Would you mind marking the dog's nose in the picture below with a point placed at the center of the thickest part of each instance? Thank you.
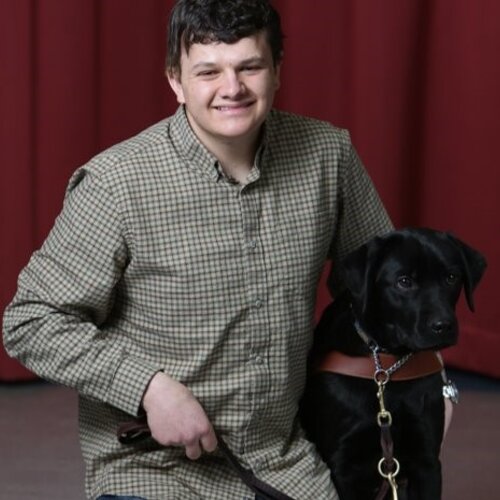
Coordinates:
(440, 326)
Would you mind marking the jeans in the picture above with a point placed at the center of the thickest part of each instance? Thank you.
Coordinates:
(119, 497)
(115, 497)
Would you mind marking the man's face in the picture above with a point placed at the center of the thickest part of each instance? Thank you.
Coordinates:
(227, 89)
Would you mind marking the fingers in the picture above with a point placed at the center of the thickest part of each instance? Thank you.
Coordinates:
(193, 450)
(176, 418)
(209, 441)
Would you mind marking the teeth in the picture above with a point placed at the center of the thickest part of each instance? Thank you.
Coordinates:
(229, 108)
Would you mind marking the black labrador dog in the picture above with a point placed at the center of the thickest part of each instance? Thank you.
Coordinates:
(374, 394)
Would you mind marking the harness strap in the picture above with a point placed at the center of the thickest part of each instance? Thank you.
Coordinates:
(421, 364)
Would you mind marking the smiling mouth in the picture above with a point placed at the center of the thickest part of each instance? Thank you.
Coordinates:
(236, 107)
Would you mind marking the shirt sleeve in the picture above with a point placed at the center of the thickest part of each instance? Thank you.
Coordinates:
(361, 214)
(66, 293)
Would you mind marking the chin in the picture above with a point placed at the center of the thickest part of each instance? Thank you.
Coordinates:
(238, 131)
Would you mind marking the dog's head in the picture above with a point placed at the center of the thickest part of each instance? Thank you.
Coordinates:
(405, 286)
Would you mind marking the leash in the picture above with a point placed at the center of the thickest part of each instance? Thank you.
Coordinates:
(388, 465)
(387, 367)
(137, 430)
(262, 489)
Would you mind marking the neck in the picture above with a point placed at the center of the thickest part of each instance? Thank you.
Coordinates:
(237, 157)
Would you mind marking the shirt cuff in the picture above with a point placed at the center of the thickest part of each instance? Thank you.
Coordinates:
(129, 384)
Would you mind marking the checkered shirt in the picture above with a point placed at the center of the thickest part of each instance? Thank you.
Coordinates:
(159, 262)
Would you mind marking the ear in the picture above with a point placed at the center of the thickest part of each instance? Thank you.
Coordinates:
(473, 266)
(174, 79)
(277, 76)
(358, 272)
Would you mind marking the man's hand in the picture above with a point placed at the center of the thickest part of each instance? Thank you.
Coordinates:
(176, 418)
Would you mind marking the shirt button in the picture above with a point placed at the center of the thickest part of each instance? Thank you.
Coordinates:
(258, 303)
(252, 245)
(256, 358)
(259, 463)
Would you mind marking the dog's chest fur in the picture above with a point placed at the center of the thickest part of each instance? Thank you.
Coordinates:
(352, 445)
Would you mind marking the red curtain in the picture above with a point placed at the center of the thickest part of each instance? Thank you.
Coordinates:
(416, 83)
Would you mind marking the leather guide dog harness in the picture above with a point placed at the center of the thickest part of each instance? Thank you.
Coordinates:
(419, 365)
(382, 367)
(408, 367)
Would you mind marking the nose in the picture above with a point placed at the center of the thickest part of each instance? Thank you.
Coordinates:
(440, 326)
(232, 86)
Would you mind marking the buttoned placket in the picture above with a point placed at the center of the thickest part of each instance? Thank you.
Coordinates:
(257, 298)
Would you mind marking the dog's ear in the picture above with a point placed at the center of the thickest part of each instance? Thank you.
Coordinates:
(357, 271)
(473, 267)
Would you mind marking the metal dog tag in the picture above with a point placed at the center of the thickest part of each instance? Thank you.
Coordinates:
(450, 391)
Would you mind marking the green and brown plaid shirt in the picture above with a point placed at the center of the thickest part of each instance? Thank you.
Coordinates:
(158, 262)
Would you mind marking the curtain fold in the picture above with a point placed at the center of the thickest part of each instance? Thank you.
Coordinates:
(415, 82)
(17, 224)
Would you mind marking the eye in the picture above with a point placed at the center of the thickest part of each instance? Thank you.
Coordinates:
(251, 69)
(207, 73)
(452, 278)
(405, 282)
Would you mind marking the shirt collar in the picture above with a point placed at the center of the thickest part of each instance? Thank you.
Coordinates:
(197, 155)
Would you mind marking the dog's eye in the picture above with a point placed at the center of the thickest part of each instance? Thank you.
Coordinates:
(452, 278)
(405, 282)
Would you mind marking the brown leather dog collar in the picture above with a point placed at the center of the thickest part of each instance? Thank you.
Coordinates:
(419, 365)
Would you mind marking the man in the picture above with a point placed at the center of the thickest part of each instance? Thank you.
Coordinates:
(179, 279)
